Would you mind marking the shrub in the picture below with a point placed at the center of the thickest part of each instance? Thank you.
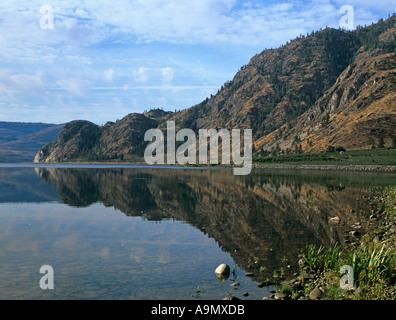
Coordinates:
(330, 149)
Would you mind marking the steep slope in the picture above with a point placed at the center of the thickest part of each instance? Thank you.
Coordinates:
(276, 85)
(279, 85)
(329, 87)
(357, 112)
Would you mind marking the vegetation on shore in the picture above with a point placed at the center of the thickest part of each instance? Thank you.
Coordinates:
(374, 156)
(373, 261)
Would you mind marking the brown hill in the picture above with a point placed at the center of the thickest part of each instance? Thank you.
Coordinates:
(85, 141)
(329, 87)
(357, 112)
(276, 85)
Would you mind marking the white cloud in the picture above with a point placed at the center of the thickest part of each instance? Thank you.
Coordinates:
(14, 84)
(167, 74)
(142, 74)
(76, 86)
(116, 48)
(78, 24)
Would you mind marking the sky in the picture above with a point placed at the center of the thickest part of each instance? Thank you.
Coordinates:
(64, 60)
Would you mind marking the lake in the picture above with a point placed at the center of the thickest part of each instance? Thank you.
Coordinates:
(149, 233)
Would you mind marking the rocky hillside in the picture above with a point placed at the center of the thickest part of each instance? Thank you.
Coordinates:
(330, 87)
(358, 111)
(86, 141)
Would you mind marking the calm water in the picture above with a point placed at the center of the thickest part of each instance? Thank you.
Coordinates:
(159, 233)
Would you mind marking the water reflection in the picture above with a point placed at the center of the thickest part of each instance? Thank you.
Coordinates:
(260, 219)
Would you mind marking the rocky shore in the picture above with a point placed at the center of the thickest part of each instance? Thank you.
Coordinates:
(323, 283)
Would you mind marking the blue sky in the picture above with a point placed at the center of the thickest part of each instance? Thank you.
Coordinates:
(105, 59)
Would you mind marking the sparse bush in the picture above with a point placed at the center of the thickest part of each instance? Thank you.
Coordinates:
(331, 149)
(325, 120)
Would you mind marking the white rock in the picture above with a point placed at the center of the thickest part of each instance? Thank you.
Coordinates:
(335, 219)
(223, 271)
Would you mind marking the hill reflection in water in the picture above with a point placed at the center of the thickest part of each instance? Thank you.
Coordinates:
(263, 218)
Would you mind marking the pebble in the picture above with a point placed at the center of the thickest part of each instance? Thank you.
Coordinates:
(315, 294)
(280, 296)
(302, 262)
(335, 219)
(373, 218)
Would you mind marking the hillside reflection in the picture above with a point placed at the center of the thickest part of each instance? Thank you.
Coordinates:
(263, 217)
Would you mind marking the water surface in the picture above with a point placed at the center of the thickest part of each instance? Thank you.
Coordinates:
(159, 233)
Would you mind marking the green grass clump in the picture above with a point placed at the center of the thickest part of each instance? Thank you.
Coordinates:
(319, 258)
(373, 264)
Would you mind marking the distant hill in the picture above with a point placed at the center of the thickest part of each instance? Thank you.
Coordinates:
(20, 141)
(330, 87)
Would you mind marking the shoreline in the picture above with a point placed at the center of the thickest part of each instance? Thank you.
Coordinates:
(329, 167)
(323, 283)
(317, 167)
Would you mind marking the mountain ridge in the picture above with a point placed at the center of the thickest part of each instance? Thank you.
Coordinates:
(296, 98)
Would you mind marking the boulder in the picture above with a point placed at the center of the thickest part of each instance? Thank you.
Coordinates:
(223, 271)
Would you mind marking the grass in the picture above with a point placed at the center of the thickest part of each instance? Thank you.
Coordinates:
(319, 258)
(377, 156)
(373, 263)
